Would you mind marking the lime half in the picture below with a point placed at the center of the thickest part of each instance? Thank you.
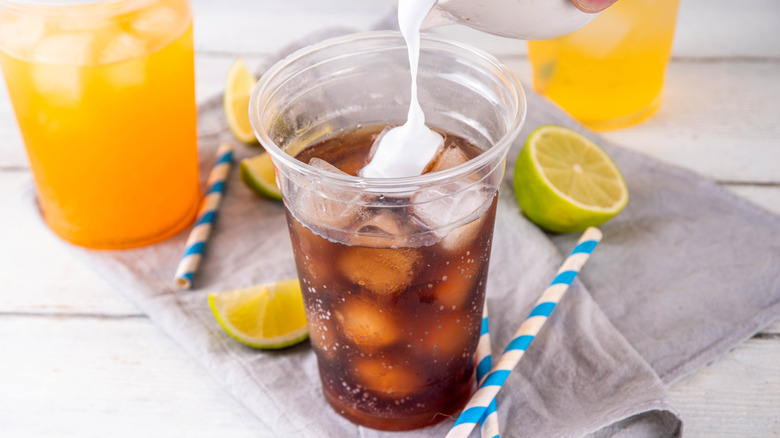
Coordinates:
(235, 101)
(565, 182)
(258, 174)
(269, 316)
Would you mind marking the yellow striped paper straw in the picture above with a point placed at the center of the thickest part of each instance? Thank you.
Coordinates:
(489, 387)
(199, 235)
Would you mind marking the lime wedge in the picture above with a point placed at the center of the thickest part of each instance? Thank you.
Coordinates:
(258, 174)
(269, 316)
(235, 101)
(565, 182)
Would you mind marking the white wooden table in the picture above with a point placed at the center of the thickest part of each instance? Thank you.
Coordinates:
(78, 359)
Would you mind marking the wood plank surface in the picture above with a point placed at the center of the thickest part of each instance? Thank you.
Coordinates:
(737, 396)
(108, 377)
(38, 276)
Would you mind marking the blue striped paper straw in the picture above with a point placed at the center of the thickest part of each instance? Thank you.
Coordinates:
(199, 235)
(478, 405)
(484, 363)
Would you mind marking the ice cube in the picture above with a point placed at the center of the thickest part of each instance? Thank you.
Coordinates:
(65, 49)
(383, 271)
(383, 229)
(441, 208)
(457, 283)
(122, 46)
(328, 207)
(391, 378)
(449, 157)
(365, 323)
(57, 63)
(156, 22)
(319, 163)
(126, 54)
(463, 236)
(19, 34)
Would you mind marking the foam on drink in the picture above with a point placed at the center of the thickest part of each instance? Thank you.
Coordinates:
(407, 149)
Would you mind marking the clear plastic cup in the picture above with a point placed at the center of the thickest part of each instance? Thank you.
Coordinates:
(393, 270)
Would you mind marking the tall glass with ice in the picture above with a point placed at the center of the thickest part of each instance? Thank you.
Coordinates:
(393, 270)
(104, 94)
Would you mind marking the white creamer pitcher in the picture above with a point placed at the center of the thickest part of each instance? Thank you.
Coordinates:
(523, 19)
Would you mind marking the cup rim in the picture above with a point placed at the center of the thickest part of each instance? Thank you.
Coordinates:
(501, 147)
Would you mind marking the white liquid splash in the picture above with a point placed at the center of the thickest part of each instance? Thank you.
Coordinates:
(407, 149)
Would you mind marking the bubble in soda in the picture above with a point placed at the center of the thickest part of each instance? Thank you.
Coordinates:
(454, 287)
(323, 338)
(447, 337)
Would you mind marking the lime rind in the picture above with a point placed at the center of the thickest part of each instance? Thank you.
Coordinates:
(238, 88)
(553, 207)
(258, 174)
(257, 303)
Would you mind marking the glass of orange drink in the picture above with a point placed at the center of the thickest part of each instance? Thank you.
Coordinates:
(104, 96)
(610, 73)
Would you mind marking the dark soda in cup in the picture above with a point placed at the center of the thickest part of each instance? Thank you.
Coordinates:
(394, 308)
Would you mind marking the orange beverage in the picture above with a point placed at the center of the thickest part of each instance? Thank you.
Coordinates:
(610, 73)
(104, 95)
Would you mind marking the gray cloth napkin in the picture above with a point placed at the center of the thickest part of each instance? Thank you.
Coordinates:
(667, 275)
(579, 377)
(699, 268)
